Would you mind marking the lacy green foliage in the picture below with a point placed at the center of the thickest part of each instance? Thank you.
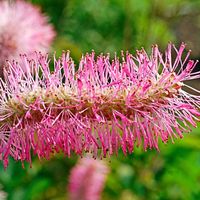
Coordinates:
(110, 26)
(106, 26)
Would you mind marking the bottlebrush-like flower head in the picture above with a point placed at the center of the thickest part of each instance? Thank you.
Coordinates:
(23, 29)
(102, 107)
(87, 179)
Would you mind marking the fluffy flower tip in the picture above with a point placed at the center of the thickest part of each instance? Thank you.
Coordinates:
(101, 108)
(87, 179)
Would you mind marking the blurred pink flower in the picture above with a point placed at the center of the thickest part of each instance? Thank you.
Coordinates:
(103, 107)
(87, 179)
(3, 194)
(23, 29)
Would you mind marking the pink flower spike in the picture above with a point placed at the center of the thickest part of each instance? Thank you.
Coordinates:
(103, 107)
(87, 179)
(23, 29)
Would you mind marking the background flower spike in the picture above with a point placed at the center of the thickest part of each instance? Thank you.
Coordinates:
(23, 29)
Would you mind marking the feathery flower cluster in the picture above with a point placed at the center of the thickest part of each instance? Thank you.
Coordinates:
(102, 107)
(87, 179)
(23, 29)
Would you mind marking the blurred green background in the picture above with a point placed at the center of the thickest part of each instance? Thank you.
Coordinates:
(110, 26)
